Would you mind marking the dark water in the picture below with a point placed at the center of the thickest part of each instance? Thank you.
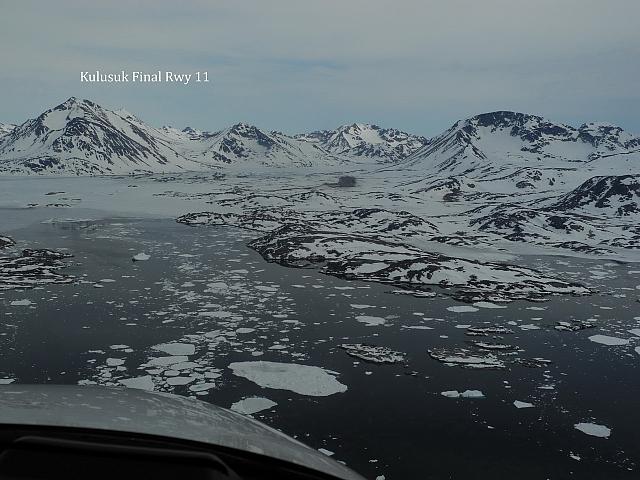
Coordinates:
(392, 420)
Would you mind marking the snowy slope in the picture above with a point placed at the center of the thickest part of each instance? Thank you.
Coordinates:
(244, 143)
(365, 141)
(79, 137)
(516, 151)
(613, 196)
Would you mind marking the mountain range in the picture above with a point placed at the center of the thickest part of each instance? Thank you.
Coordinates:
(79, 137)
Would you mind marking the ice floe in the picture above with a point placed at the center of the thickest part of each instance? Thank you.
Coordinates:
(176, 348)
(607, 340)
(465, 394)
(303, 379)
(371, 321)
(144, 382)
(251, 405)
(462, 309)
(593, 429)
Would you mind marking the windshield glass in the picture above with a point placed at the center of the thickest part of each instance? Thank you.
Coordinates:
(402, 233)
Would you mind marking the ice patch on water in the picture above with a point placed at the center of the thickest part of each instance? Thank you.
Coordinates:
(302, 379)
(176, 348)
(607, 340)
(251, 405)
(370, 321)
(462, 309)
(141, 257)
(142, 383)
(21, 303)
(465, 394)
(487, 305)
(593, 429)
(519, 404)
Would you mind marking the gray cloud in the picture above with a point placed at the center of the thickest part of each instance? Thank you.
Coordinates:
(296, 65)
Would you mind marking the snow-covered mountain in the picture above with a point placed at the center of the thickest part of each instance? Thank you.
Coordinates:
(247, 144)
(79, 137)
(365, 141)
(500, 152)
(506, 152)
(487, 143)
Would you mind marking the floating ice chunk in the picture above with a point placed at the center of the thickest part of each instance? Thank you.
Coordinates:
(107, 280)
(465, 394)
(114, 362)
(164, 361)
(118, 347)
(487, 305)
(302, 379)
(593, 429)
(519, 404)
(370, 321)
(607, 340)
(142, 383)
(6, 381)
(21, 303)
(176, 348)
(635, 331)
(245, 330)
(472, 394)
(450, 394)
(328, 453)
(637, 350)
(251, 405)
(202, 387)
(179, 380)
(185, 365)
(360, 307)
(141, 257)
(462, 309)
(529, 326)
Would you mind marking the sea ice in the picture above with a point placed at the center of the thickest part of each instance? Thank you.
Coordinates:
(371, 321)
(593, 429)
(607, 340)
(176, 348)
(251, 405)
(462, 309)
(143, 383)
(302, 379)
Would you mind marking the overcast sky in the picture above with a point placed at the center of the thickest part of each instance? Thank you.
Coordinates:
(296, 65)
